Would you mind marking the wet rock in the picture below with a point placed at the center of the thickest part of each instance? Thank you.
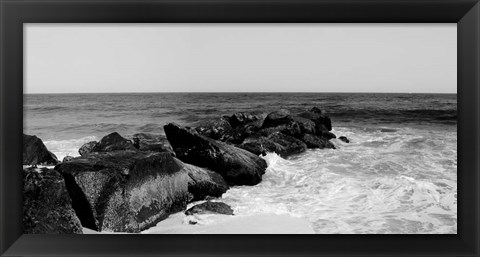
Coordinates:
(113, 142)
(275, 142)
(210, 208)
(323, 132)
(67, 158)
(316, 110)
(239, 133)
(87, 147)
(47, 208)
(313, 141)
(242, 119)
(215, 129)
(276, 118)
(233, 129)
(36, 153)
(203, 183)
(125, 191)
(237, 166)
(318, 118)
(152, 142)
(344, 139)
(282, 121)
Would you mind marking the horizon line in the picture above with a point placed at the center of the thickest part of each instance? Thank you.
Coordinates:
(229, 92)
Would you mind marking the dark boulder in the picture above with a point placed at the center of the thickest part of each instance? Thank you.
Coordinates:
(316, 110)
(210, 208)
(323, 132)
(68, 158)
(306, 125)
(36, 153)
(239, 133)
(47, 208)
(237, 166)
(233, 129)
(313, 141)
(215, 129)
(113, 142)
(344, 139)
(276, 118)
(151, 142)
(204, 183)
(125, 191)
(242, 119)
(285, 123)
(316, 116)
(275, 142)
(87, 147)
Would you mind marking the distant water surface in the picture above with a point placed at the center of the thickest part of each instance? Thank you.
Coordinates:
(398, 174)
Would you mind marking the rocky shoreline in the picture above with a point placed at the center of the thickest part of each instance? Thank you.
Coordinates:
(129, 184)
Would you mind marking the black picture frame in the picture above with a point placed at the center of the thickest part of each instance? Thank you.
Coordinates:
(14, 13)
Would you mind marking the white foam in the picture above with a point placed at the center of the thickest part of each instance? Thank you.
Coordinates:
(62, 148)
(378, 183)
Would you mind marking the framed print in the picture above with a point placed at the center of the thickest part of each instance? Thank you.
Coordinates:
(319, 128)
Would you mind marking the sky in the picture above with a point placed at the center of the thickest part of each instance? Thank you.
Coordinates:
(111, 58)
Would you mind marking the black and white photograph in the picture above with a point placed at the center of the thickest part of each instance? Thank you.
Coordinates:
(163, 128)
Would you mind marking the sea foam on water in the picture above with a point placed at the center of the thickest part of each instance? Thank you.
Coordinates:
(400, 182)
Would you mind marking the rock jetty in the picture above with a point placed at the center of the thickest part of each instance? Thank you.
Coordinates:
(129, 184)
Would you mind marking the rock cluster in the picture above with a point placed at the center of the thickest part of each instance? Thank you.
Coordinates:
(128, 184)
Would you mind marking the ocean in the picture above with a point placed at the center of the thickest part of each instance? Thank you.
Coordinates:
(398, 174)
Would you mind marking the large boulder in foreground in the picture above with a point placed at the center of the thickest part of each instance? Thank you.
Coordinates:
(113, 142)
(125, 191)
(275, 142)
(36, 153)
(210, 208)
(237, 166)
(203, 183)
(47, 208)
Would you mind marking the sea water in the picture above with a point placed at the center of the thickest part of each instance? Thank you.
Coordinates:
(398, 174)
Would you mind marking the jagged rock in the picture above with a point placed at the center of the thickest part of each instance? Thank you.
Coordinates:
(210, 208)
(36, 153)
(204, 183)
(87, 147)
(242, 119)
(47, 207)
(316, 116)
(67, 158)
(344, 139)
(276, 142)
(113, 142)
(151, 142)
(285, 123)
(237, 166)
(276, 118)
(215, 129)
(313, 141)
(316, 110)
(125, 191)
